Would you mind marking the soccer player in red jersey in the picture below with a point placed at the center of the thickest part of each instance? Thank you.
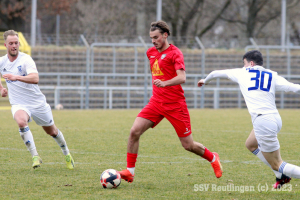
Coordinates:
(167, 101)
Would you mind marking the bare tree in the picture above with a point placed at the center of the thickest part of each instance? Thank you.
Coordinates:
(182, 14)
(215, 18)
(12, 14)
(253, 16)
(104, 17)
(47, 11)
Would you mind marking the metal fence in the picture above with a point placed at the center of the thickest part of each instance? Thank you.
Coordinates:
(109, 91)
(106, 85)
(209, 41)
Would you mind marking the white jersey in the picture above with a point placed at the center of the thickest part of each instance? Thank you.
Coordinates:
(258, 86)
(21, 93)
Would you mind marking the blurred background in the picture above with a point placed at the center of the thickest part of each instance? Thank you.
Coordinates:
(91, 53)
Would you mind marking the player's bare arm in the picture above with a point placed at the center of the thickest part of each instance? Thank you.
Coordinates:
(32, 78)
(177, 80)
(2, 89)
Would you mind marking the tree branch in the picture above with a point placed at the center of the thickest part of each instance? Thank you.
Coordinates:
(213, 21)
(186, 21)
(266, 22)
(232, 21)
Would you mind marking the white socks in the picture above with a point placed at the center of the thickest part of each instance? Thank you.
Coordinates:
(289, 170)
(61, 142)
(258, 153)
(28, 140)
(131, 170)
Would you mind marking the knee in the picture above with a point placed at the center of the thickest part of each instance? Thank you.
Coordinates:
(188, 146)
(250, 146)
(21, 123)
(135, 133)
(53, 132)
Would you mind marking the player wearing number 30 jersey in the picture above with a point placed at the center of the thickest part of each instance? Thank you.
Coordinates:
(258, 86)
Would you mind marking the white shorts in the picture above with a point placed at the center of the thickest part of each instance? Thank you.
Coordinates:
(41, 115)
(266, 128)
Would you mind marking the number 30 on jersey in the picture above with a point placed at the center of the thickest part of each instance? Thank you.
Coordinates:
(259, 80)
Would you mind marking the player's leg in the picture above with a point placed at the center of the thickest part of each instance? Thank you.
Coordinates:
(58, 136)
(22, 116)
(43, 117)
(148, 117)
(287, 170)
(178, 115)
(252, 145)
(199, 149)
(139, 126)
(277, 163)
(266, 127)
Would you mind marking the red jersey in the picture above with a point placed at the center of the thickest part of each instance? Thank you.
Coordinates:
(163, 66)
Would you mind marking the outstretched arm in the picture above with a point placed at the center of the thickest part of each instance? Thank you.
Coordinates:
(213, 75)
(283, 85)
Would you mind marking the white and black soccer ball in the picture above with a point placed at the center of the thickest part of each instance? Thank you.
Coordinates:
(110, 178)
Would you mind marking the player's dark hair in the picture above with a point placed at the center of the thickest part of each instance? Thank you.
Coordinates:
(160, 25)
(254, 56)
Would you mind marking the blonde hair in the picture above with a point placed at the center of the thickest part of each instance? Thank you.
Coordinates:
(9, 32)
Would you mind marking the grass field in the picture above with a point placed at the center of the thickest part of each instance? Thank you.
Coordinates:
(164, 170)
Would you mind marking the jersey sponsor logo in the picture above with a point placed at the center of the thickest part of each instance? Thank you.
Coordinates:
(20, 68)
(152, 56)
(163, 56)
(187, 131)
(156, 70)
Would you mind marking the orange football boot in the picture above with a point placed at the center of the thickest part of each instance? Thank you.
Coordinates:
(126, 175)
(216, 165)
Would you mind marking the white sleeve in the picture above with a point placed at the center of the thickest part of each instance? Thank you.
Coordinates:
(215, 74)
(227, 73)
(1, 63)
(30, 65)
(283, 85)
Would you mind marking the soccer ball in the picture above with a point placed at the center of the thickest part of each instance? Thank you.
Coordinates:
(110, 178)
(59, 107)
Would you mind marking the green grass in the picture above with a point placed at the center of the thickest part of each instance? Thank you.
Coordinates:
(164, 170)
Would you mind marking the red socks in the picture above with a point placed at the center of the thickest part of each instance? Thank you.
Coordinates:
(131, 160)
(131, 157)
(208, 155)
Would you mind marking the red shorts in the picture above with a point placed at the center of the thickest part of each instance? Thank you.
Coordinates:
(176, 113)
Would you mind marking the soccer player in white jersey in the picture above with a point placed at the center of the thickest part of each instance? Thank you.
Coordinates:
(27, 101)
(258, 86)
